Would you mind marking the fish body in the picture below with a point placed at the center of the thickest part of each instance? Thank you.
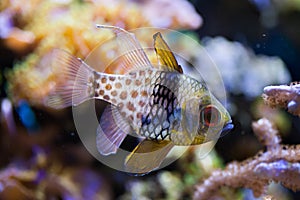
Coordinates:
(151, 100)
(160, 104)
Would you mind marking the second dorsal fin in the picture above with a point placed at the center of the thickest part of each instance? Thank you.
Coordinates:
(165, 55)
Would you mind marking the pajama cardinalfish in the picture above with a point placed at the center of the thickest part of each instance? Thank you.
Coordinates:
(157, 103)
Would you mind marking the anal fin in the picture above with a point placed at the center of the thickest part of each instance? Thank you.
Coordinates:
(147, 156)
(112, 130)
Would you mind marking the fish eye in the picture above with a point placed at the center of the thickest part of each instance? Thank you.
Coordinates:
(210, 116)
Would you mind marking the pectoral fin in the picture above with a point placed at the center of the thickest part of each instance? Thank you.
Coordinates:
(112, 130)
(164, 54)
(147, 156)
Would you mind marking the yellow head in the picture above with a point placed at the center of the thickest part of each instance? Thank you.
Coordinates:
(203, 118)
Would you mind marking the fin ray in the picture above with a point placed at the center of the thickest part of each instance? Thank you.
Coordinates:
(147, 156)
(164, 54)
(112, 130)
(72, 76)
(131, 51)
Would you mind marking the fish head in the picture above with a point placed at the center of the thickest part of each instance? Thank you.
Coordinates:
(204, 119)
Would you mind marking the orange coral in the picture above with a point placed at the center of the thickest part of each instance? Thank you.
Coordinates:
(52, 24)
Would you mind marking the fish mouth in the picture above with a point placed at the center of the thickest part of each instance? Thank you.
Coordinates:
(227, 128)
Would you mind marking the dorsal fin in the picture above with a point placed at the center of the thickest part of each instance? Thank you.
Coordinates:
(130, 50)
(164, 54)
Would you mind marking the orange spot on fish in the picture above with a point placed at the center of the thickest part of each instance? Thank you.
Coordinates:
(118, 85)
(130, 106)
(147, 80)
(144, 93)
(123, 95)
(103, 80)
(134, 94)
(108, 87)
(101, 92)
(142, 73)
(114, 93)
(142, 103)
(128, 81)
(138, 82)
(106, 97)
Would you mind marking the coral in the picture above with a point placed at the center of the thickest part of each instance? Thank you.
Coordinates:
(172, 184)
(280, 171)
(44, 25)
(138, 189)
(266, 133)
(175, 12)
(42, 181)
(284, 96)
(32, 166)
(278, 163)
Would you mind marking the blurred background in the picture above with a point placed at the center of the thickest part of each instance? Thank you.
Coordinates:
(254, 43)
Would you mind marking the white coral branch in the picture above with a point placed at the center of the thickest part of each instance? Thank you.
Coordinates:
(256, 173)
(267, 134)
(280, 171)
(284, 96)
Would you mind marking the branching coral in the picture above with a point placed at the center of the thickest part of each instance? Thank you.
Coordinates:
(284, 96)
(278, 163)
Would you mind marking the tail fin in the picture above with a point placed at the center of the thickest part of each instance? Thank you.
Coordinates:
(73, 81)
